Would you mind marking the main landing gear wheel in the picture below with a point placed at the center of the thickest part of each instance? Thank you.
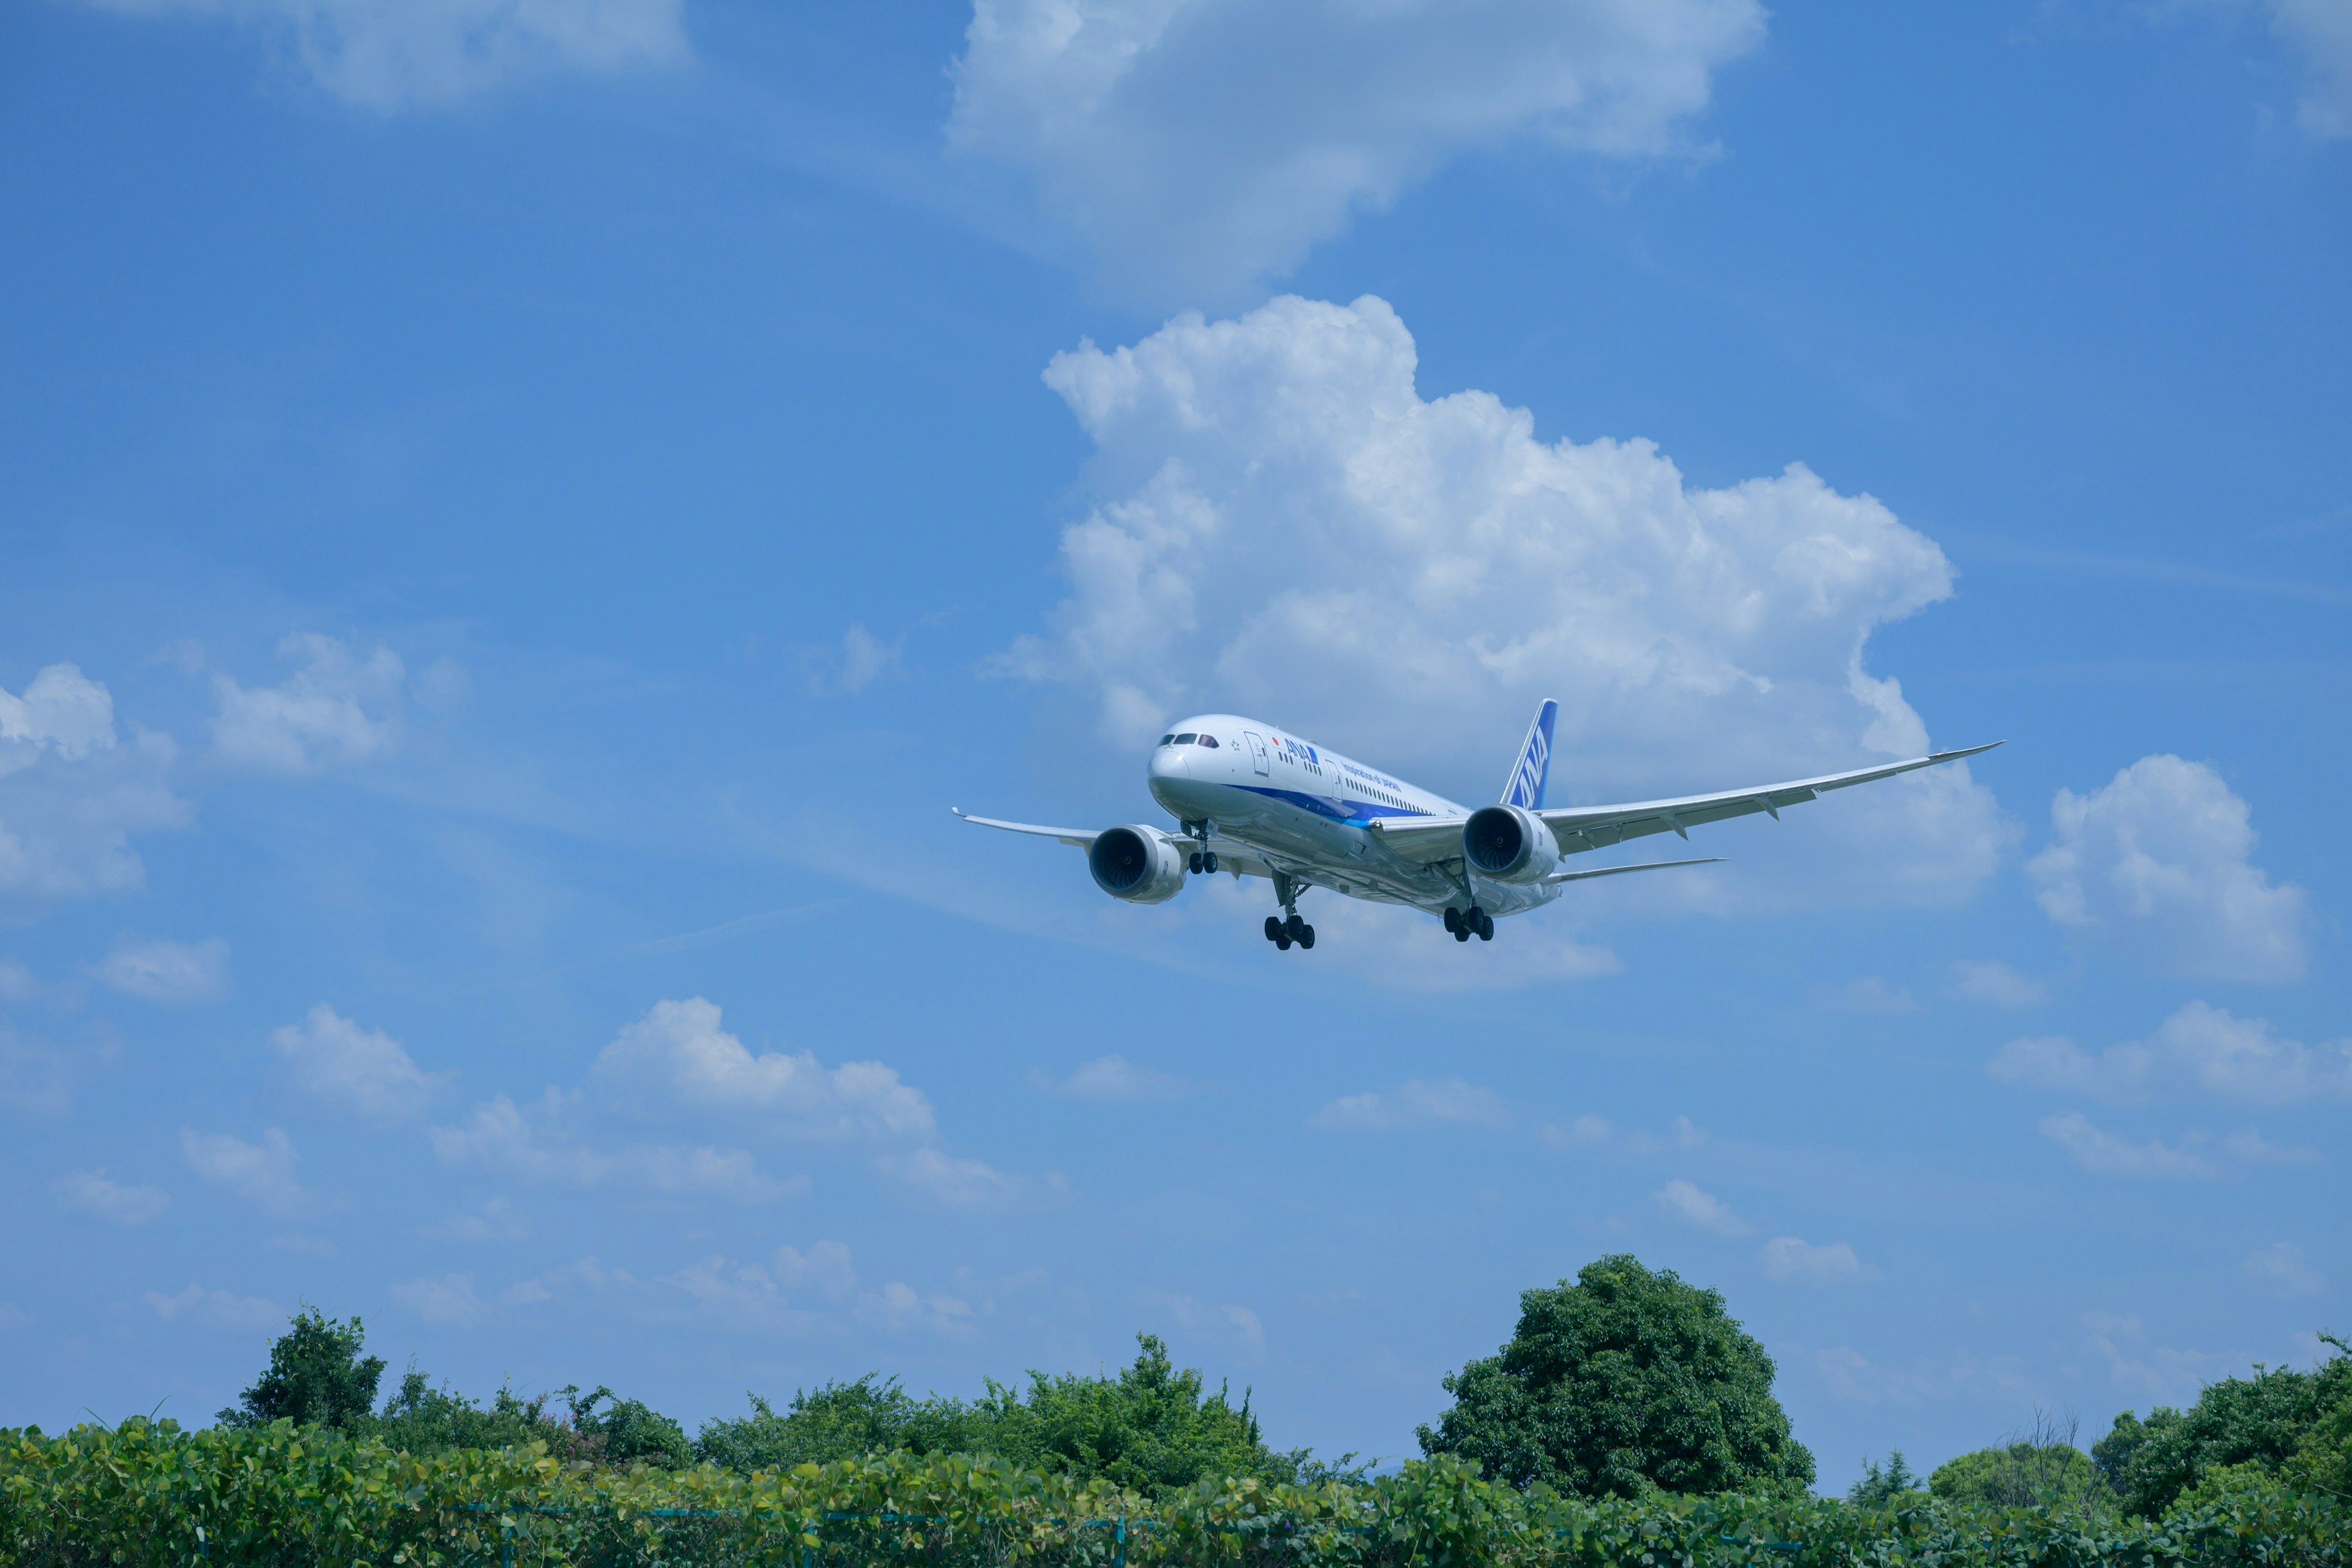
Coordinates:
(1209, 862)
(1467, 923)
(1284, 933)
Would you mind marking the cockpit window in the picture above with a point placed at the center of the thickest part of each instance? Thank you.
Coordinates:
(1208, 740)
(1186, 739)
(1167, 739)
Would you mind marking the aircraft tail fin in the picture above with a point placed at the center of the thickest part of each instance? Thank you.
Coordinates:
(1533, 770)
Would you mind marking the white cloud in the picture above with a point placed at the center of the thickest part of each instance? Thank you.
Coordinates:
(1114, 1078)
(1233, 1328)
(351, 1068)
(543, 1144)
(1286, 511)
(1685, 1202)
(714, 1292)
(62, 712)
(178, 973)
(2108, 1154)
(1199, 146)
(2157, 860)
(1991, 982)
(96, 1193)
(2200, 1053)
(1416, 1104)
(2322, 30)
(1595, 1132)
(70, 795)
(336, 710)
(864, 659)
(953, 1183)
(1792, 1260)
(449, 1299)
(1854, 1378)
(497, 1220)
(388, 55)
(899, 1306)
(677, 1054)
(2283, 1269)
(825, 1268)
(17, 982)
(2160, 1373)
(261, 1173)
(217, 1309)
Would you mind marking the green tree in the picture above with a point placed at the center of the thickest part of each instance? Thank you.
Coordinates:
(2261, 1420)
(316, 1377)
(1622, 1382)
(839, 1421)
(419, 1418)
(1880, 1487)
(629, 1431)
(2039, 1467)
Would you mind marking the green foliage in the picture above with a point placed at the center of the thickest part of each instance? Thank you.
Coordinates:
(421, 1419)
(139, 1495)
(2041, 1469)
(629, 1431)
(1152, 1430)
(2263, 1420)
(1625, 1380)
(317, 1377)
(1879, 1487)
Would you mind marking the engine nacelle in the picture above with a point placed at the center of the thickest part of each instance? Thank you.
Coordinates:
(1138, 864)
(1509, 844)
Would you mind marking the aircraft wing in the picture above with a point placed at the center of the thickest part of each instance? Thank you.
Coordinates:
(1581, 828)
(1239, 862)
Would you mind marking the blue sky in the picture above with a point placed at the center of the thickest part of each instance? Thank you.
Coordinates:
(517, 521)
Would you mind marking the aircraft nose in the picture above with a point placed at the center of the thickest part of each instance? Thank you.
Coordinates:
(1171, 762)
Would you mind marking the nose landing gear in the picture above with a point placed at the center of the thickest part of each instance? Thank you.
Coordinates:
(1467, 923)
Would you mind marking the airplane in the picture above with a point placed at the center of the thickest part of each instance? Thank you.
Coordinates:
(1256, 800)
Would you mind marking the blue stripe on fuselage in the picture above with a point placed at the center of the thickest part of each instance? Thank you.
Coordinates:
(1351, 814)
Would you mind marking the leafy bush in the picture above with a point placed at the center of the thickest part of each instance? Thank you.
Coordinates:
(1624, 1381)
(316, 1377)
(2038, 1469)
(1152, 1430)
(147, 1494)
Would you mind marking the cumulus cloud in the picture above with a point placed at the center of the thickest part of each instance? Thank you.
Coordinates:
(2110, 1154)
(825, 1268)
(337, 710)
(360, 1070)
(1792, 1260)
(1591, 1132)
(178, 973)
(96, 1193)
(2200, 1053)
(1116, 1080)
(2158, 860)
(217, 1309)
(1685, 1202)
(261, 1173)
(1416, 1104)
(1991, 982)
(1285, 511)
(388, 55)
(544, 1143)
(720, 1292)
(1199, 146)
(71, 794)
(679, 1054)
(2164, 1373)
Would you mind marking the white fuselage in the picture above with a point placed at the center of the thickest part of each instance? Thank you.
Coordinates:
(1307, 810)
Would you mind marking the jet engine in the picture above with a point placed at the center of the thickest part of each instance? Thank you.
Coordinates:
(1138, 864)
(1509, 844)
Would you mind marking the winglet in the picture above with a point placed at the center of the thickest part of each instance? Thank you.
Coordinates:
(1525, 787)
(1963, 751)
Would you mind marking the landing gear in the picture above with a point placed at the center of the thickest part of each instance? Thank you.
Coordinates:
(1284, 932)
(1209, 862)
(1467, 923)
(1287, 928)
